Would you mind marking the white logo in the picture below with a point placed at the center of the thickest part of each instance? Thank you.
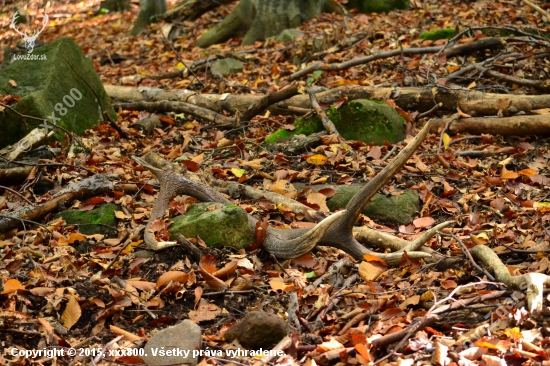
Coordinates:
(29, 40)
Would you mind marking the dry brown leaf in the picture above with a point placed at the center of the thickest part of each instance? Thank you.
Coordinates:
(72, 313)
(127, 335)
(172, 276)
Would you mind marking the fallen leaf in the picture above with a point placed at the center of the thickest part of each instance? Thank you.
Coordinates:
(72, 313)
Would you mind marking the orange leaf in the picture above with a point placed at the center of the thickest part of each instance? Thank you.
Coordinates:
(172, 276)
(12, 285)
(227, 270)
(317, 159)
(127, 335)
(528, 172)
(373, 258)
(72, 313)
(214, 282)
(423, 222)
(363, 351)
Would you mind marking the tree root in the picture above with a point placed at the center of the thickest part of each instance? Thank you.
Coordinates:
(532, 282)
(335, 231)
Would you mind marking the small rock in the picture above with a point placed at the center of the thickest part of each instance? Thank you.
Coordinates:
(289, 35)
(258, 329)
(100, 220)
(226, 66)
(186, 336)
(216, 224)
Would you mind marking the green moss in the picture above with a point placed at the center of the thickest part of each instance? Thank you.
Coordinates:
(363, 120)
(216, 224)
(446, 33)
(100, 220)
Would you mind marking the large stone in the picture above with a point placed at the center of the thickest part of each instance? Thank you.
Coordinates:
(100, 220)
(400, 209)
(179, 340)
(216, 224)
(226, 66)
(363, 120)
(51, 84)
(258, 329)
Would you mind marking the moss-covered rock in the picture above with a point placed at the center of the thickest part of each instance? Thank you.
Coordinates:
(400, 209)
(226, 66)
(363, 120)
(51, 84)
(377, 6)
(100, 220)
(446, 33)
(216, 224)
(289, 35)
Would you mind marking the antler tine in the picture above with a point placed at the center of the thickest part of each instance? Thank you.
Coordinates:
(15, 16)
(45, 23)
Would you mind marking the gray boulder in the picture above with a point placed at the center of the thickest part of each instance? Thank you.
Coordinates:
(226, 66)
(50, 85)
(176, 343)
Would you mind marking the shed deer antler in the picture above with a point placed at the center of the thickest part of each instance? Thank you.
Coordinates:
(29, 40)
(334, 231)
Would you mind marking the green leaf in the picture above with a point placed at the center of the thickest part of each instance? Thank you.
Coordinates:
(310, 275)
(317, 74)
(310, 80)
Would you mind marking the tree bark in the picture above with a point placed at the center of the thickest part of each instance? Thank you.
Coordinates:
(259, 19)
(189, 10)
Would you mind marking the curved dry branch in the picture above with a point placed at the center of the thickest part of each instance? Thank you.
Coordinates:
(531, 283)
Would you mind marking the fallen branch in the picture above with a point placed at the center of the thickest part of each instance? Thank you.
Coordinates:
(471, 102)
(98, 184)
(509, 126)
(179, 107)
(480, 44)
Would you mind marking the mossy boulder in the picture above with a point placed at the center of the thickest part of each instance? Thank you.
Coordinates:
(100, 220)
(377, 6)
(226, 66)
(446, 33)
(51, 83)
(399, 210)
(363, 120)
(216, 224)
(289, 35)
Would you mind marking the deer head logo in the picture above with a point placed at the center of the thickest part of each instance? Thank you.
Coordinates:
(29, 40)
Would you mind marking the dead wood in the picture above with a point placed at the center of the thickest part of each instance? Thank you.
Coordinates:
(335, 231)
(97, 184)
(269, 99)
(14, 175)
(508, 126)
(37, 137)
(471, 102)
(179, 107)
(458, 50)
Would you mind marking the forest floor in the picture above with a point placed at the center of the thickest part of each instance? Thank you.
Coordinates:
(48, 294)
